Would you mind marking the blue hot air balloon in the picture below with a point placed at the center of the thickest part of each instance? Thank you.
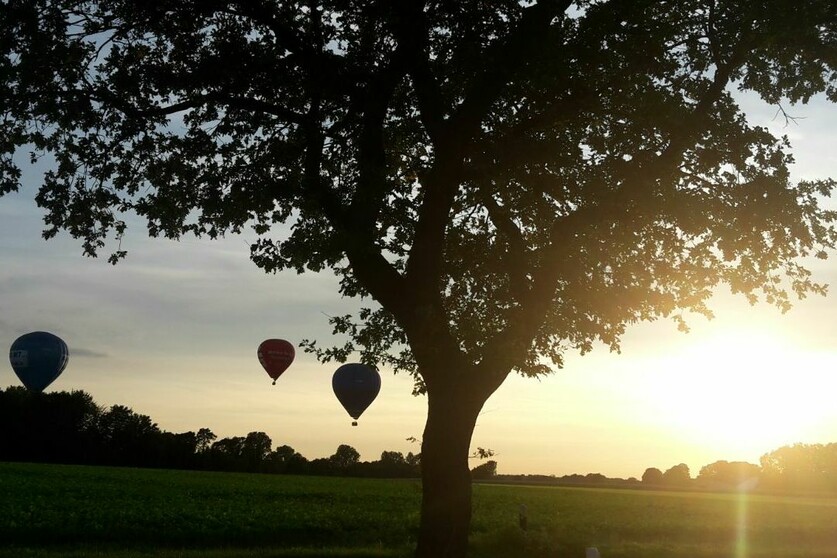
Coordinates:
(356, 387)
(38, 358)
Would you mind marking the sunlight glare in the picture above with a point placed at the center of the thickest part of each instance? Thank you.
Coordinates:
(749, 391)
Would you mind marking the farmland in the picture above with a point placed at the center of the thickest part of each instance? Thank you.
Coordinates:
(56, 510)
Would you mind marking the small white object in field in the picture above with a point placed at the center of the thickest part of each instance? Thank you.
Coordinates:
(591, 552)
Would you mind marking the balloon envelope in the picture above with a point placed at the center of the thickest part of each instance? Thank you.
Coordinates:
(38, 358)
(356, 387)
(275, 355)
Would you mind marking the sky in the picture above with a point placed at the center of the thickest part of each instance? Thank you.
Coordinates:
(172, 332)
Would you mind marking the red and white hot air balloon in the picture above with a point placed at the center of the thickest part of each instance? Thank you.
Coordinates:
(275, 355)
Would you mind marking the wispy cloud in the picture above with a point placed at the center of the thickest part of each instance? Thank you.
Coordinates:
(86, 353)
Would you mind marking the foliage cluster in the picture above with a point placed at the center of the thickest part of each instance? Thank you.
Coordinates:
(508, 180)
(69, 427)
(797, 468)
(792, 468)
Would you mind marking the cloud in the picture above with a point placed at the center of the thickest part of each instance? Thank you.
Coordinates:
(86, 353)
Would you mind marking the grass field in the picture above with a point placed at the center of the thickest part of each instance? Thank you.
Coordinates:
(49, 510)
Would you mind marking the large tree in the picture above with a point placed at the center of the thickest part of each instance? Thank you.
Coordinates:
(501, 181)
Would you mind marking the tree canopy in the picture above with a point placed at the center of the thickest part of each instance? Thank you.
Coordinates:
(532, 177)
(503, 182)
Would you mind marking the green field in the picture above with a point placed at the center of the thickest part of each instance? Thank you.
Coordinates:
(50, 510)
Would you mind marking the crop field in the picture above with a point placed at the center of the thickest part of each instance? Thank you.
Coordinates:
(56, 510)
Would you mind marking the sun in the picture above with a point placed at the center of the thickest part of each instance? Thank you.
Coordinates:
(745, 390)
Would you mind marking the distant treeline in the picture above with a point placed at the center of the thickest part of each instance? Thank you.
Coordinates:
(798, 468)
(69, 427)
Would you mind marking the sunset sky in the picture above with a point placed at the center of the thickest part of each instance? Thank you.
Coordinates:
(172, 332)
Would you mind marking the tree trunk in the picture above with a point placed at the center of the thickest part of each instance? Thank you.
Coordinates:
(446, 478)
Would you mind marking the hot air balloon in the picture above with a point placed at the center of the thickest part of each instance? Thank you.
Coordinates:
(275, 355)
(38, 358)
(356, 387)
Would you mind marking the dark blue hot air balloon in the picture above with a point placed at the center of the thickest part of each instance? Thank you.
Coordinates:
(356, 387)
(38, 358)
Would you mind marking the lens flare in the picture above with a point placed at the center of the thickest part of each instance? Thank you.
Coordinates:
(744, 489)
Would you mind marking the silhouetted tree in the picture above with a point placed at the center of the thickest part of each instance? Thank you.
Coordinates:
(52, 427)
(393, 464)
(127, 438)
(573, 478)
(652, 476)
(484, 471)
(677, 476)
(204, 439)
(729, 475)
(15, 411)
(255, 450)
(226, 454)
(801, 467)
(392, 458)
(322, 466)
(70, 427)
(176, 451)
(413, 460)
(505, 181)
(67, 421)
(344, 458)
(285, 459)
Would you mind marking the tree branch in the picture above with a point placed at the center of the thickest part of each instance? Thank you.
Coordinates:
(424, 266)
(411, 30)
(515, 258)
(245, 103)
(518, 144)
(639, 186)
(259, 13)
(502, 62)
(371, 187)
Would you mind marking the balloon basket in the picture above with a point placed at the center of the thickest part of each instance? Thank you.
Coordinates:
(354, 423)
